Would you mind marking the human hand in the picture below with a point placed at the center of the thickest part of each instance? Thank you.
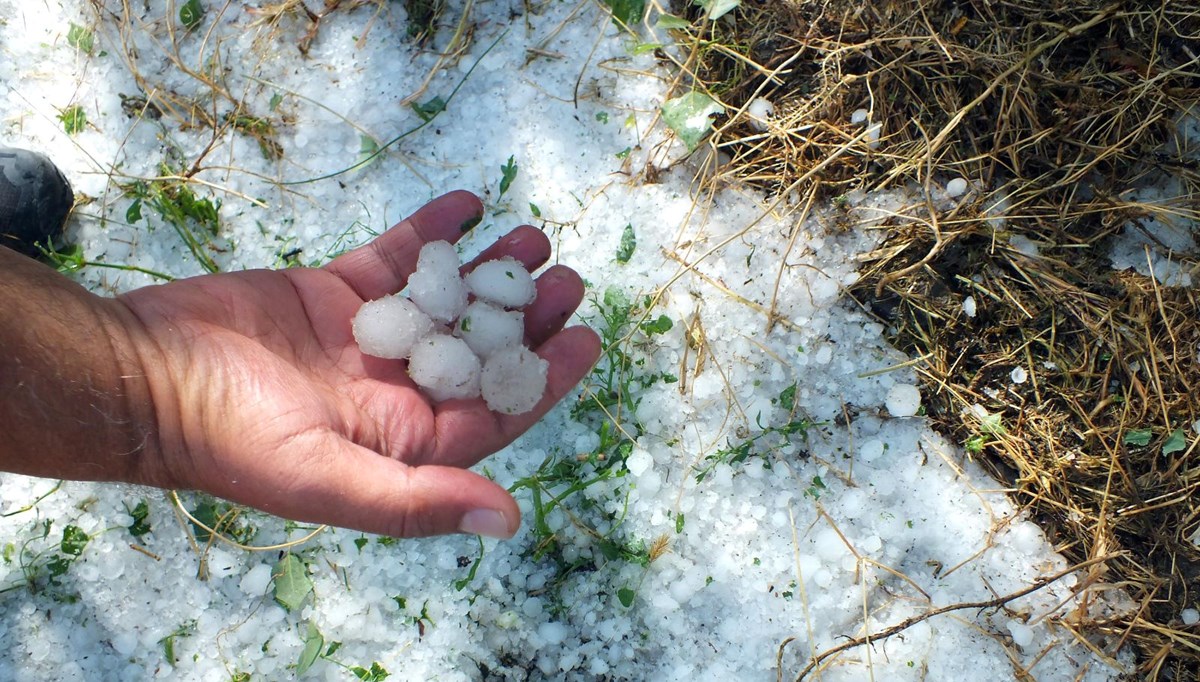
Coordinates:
(262, 397)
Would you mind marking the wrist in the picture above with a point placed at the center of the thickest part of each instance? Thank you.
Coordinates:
(74, 398)
(138, 362)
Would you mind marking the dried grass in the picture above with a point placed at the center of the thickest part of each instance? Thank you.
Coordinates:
(1052, 111)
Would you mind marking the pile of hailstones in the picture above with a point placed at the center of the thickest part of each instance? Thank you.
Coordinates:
(456, 349)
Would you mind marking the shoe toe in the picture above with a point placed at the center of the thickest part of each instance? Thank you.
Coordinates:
(35, 199)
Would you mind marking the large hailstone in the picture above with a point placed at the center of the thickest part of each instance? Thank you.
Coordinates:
(389, 327)
(504, 282)
(438, 256)
(487, 328)
(441, 295)
(445, 368)
(514, 380)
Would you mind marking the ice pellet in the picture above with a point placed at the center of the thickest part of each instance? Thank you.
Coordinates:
(903, 400)
(438, 256)
(514, 380)
(445, 368)
(388, 327)
(487, 328)
(504, 282)
(441, 295)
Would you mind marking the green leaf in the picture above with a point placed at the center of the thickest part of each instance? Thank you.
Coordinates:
(643, 48)
(80, 38)
(168, 647)
(139, 527)
(679, 523)
(1175, 442)
(313, 643)
(333, 647)
(276, 100)
(360, 543)
(74, 119)
(616, 301)
(427, 110)
(787, 398)
(508, 173)
(992, 424)
(715, 9)
(377, 673)
(134, 212)
(368, 148)
(74, 539)
(58, 565)
(661, 325)
(533, 208)
(207, 513)
(689, 117)
(602, 116)
(628, 244)
(191, 13)
(627, 13)
(626, 596)
(292, 584)
(672, 22)
(610, 550)
(460, 585)
(1138, 437)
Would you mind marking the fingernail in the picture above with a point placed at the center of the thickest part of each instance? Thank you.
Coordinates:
(487, 522)
(470, 223)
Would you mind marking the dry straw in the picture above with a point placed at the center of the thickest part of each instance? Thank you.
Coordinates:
(1052, 111)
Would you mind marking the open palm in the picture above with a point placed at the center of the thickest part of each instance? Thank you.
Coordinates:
(262, 396)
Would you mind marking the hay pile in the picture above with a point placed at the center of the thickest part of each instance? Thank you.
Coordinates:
(1052, 112)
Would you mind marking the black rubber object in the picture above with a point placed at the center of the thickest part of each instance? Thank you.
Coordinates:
(35, 199)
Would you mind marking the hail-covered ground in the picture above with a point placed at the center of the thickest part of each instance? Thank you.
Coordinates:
(769, 492)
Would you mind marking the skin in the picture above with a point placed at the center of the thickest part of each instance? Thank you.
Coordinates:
(249, 386)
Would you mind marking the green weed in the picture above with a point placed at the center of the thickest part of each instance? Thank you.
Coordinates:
(561, 483)
(81, 38)
(44, 559)
(185, 629)
(613, 389)
(74, 119)
(766, 441)
(70, 259)
(222, 517)
(508, 173)
(261, 129)
(316, 648)
(195, 219)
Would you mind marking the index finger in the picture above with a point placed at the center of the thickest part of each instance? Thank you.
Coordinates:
(382, 267)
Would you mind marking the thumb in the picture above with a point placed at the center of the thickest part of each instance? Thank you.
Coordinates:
(346, 485)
